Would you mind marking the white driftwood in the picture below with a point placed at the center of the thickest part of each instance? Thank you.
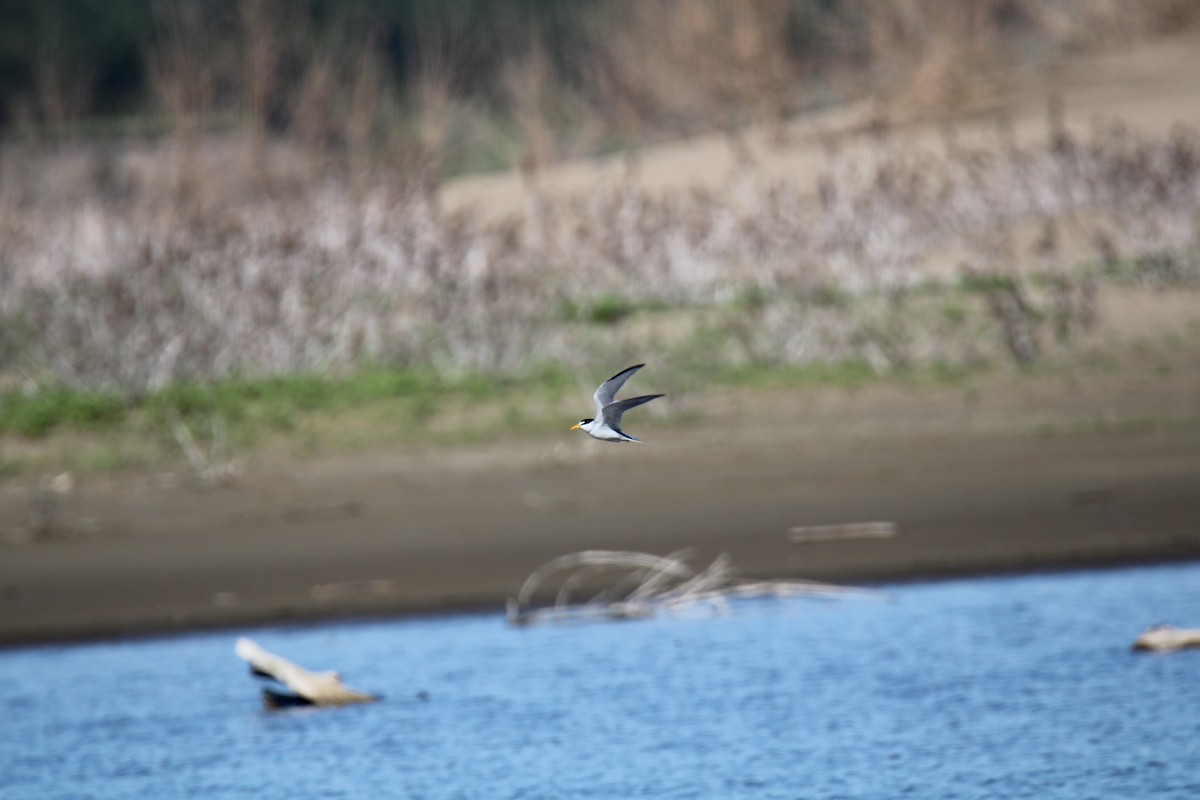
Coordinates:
(810, 534)
(649, 584)
(318, 688)
(1166, 638)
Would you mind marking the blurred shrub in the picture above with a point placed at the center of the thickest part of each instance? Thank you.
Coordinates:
(37, 413)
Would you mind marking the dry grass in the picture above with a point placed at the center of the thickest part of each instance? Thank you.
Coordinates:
(924, 57)
(309, 235)
(132, 279)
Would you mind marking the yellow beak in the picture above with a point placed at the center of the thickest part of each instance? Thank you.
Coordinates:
(576, 425)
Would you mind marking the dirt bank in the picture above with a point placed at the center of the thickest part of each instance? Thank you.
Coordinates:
(1004, 473)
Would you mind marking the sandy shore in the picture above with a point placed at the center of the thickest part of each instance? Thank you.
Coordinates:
(1007, 474)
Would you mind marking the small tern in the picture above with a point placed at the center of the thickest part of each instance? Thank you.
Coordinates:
(607, 424)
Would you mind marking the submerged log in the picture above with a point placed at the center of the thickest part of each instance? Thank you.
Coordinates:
(1166, 638)
(307, 688)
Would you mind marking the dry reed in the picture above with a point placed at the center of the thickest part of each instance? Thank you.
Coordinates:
(131, 283)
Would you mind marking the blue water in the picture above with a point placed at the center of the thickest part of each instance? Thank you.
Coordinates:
(990, 688)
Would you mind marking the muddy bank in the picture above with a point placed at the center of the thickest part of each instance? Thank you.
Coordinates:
(1008, 475)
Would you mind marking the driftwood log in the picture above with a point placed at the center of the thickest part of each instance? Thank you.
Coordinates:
(1166, 638)
(305, 687)
(618, 584)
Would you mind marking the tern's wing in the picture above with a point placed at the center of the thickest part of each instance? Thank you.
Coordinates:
(613, 411)
(608, 390)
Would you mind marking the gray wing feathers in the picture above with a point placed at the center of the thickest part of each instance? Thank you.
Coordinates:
(608, 390)
(611, 413)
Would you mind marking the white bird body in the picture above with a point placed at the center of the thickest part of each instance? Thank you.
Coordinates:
(606, 426)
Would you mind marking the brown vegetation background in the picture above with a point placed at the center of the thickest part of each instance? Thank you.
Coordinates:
(915, 262)
(276, 202)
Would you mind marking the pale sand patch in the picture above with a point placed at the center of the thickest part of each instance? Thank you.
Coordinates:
(1152, 86)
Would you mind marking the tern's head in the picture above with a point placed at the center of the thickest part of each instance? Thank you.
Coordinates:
(583, 423)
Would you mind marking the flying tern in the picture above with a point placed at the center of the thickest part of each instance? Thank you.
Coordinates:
(607, 424)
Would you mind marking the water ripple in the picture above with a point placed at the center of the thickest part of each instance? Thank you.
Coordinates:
(991, 688)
